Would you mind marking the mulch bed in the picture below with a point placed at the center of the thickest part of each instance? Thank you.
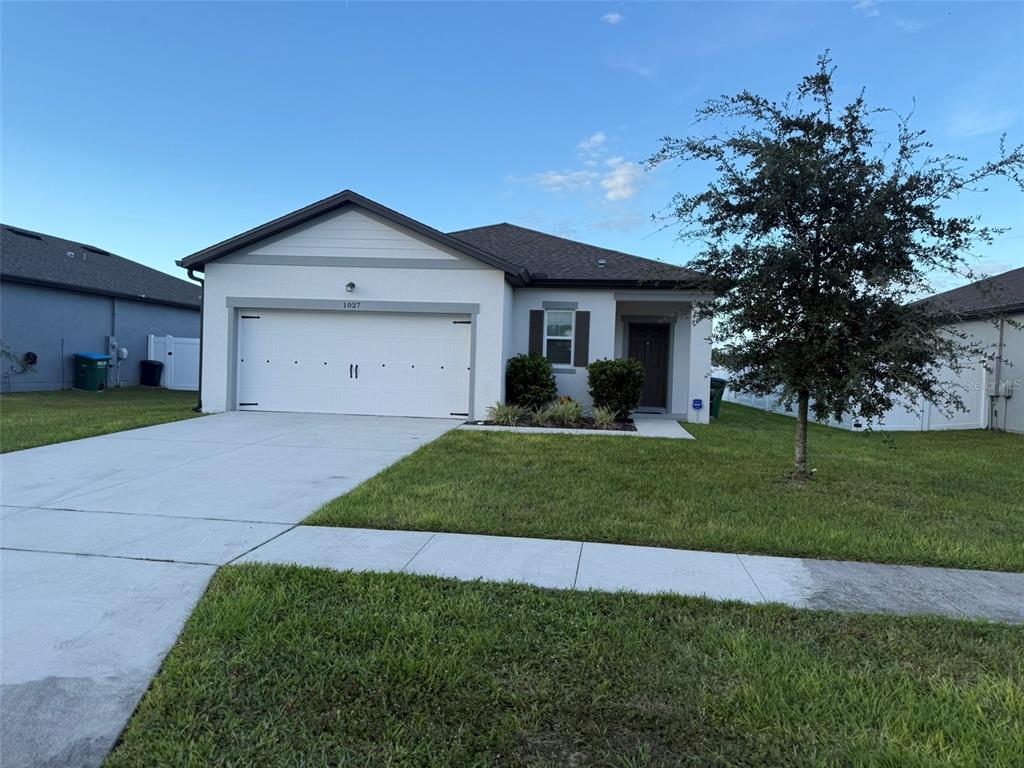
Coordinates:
(619, 426)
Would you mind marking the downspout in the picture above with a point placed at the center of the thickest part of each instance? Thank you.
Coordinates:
(998, 376)
(113, 334)
(202, 305)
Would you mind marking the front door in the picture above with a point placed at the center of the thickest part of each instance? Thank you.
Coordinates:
(648, 343)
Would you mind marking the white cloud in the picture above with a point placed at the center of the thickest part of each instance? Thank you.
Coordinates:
(910, 25)
(618, 179)
(634, 66)
(566, 181)
(978, 122)
(614, 178)
(612, 18)
(594, 144)
(867, 7)
(622, 179)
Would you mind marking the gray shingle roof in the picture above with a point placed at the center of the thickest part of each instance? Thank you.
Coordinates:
(556, 259)
(994, 295)
(34, 257)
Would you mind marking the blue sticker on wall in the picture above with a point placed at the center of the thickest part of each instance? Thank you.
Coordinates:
(698, 404)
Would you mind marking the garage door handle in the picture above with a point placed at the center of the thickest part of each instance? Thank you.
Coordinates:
(357, 370)
(350, 370)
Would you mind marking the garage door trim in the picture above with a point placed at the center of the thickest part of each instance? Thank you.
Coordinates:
(414, 307)
(355, 305)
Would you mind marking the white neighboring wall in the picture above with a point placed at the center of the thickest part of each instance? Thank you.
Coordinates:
(975, 384)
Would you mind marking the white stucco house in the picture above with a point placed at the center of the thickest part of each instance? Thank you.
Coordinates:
(346, 306)
(989, 313)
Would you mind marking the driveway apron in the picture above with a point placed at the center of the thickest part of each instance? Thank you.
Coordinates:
(107, 543)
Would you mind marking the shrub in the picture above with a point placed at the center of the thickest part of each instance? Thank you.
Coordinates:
(616, 384)
(604, 417)
(529, 381)
(541, 417)
(566, 412)
(507, 415)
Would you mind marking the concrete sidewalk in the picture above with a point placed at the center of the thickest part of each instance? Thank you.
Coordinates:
(802, 583)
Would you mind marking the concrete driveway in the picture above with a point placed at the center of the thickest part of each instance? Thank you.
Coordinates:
(107, 544)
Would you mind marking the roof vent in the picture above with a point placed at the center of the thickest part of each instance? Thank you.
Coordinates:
(601, 263)
(93, 249)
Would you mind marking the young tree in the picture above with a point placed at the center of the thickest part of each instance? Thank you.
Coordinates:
(819, 228)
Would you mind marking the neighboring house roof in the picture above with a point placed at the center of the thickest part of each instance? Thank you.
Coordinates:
(999, 294)
(328, 205)
(39, 259)
(528, 257)
(552, 260)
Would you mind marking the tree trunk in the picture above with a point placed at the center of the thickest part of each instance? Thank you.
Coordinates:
(801, 434)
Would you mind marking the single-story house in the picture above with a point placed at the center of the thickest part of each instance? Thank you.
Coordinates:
(346, 306)
(59, 297)
(991, 313)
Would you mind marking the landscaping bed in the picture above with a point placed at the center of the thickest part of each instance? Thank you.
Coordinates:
(30, 419)
(947, 498)
(533, 403)
(281, 665)
(585, 422)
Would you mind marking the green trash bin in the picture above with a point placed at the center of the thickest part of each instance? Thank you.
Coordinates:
(91, 371)
(717, 391)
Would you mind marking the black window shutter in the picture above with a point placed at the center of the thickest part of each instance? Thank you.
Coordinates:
(582, 340)
(536, 331)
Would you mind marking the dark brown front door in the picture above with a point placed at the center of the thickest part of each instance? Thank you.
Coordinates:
(648, 343)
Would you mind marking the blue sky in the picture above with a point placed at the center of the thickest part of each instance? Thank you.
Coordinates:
(155, 129)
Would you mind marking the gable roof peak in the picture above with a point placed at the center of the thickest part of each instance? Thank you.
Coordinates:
(333, 203)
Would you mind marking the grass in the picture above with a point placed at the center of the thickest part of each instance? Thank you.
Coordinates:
(935, 498)
(290, 666)
(30, 419)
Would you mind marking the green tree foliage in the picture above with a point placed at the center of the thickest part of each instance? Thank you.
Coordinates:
(821, 224)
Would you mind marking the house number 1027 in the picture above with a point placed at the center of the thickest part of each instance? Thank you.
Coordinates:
(350, 305)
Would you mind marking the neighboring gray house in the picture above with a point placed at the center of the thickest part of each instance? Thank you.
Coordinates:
(58, 297)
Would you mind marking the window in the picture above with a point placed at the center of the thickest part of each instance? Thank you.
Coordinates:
(558, 333)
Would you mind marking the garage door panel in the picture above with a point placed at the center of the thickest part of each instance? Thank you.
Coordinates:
(413, 365)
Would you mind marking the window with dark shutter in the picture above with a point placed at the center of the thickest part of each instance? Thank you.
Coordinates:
(536, 332)
(581, 355)
(558, 335)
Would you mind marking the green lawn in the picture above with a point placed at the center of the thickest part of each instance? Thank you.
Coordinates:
(290, 666)
(937, 498)
(28, 419)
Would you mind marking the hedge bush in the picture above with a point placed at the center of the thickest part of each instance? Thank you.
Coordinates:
(616, 385)
(529, 381)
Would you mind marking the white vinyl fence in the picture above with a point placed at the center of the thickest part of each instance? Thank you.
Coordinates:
(921, 416)
(180, 358)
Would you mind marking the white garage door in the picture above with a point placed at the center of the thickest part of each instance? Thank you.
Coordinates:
(342, 362)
